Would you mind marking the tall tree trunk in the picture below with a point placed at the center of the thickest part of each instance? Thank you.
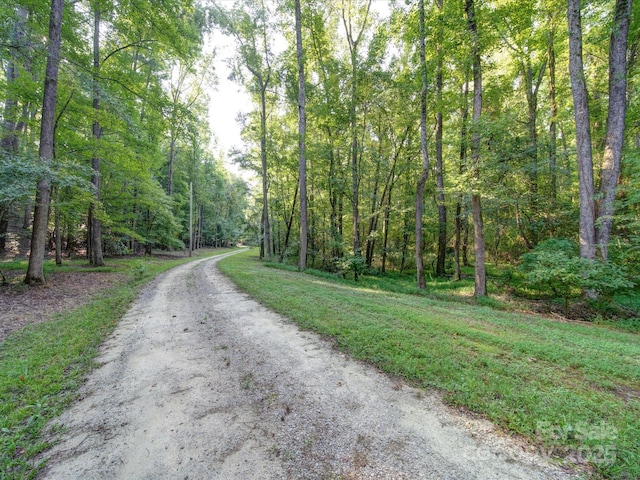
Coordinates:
(290, 222)
(263, 158)
(11, 124)
(355, 181)
(464, 114)
(172, 161)
(96, 259)
(532, 85)
(334, 199)
(35, 270)
(386, 221)
(353, 39)
(553, 105)
(583, 133)
(615, 124)
(373, 216)
(423, 149)
(302, 131)
(442, 208)
(476, 204)
(57, 233)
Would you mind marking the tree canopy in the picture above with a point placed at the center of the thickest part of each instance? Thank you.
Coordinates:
(436, 135)
(126, 128)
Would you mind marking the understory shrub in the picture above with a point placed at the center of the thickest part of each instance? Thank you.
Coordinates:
(554, 267)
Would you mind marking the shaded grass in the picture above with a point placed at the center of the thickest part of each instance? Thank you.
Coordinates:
(571, 388)
(42, 366)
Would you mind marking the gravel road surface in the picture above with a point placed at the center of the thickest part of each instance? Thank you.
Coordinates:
(199, 381)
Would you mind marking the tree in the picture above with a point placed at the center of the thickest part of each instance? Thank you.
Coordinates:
(423, 149)
(442, 208)
(354, 35)
(35, 269)
(476, 204)
(12, 124)
(598, 215)
(251, 32)
(95, 225)
(302, 129)
(616, 116)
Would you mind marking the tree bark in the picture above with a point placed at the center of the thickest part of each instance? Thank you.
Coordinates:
(583, 133)
(96, 259)
(263, 161)
(615, 124)
(354, 42)
(476, 204)
(302, 131)
(553, 105)
(464, 115)
(11, 124)
(172, 161)
(442, 208)
(424, 152)
(35, 270)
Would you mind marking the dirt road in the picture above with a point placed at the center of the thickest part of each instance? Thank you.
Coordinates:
(201, 382)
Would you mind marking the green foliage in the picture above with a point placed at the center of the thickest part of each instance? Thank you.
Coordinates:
(43, 365)
(355, 264)
(539, 378)
(555, 266)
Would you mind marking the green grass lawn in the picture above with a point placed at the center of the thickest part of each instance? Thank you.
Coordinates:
(42, 366)
(571, 388)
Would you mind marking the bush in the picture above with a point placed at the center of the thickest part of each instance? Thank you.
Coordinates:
(555, 267)
(352, 263)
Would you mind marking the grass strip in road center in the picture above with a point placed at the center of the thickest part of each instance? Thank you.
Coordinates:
(572, 389)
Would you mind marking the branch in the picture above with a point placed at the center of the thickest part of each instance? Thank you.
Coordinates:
(134, 44)
(540, 76)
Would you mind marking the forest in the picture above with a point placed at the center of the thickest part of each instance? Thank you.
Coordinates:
(113, 155)
(431, 139)
(445, 138)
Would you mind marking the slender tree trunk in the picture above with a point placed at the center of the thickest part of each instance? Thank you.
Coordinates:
(263, 158)
(476, 204)
(442, 208)
(290, 222)
(334, 200)
(553, 105)
(456, 246)
(405, 242)
(373, 216)
(302, 131)
(96, 258)
(35, 270)
(172, 161)
(386, 221)
(532, 85)
(583, 133)
(615, 124)
(355, 181)
(424, 151)
(463, 161)
(11, 124)
(4, 228)
(353, 39)
(58, 235)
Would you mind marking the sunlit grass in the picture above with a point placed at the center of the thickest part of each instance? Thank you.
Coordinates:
(42, 366)
(572, 387)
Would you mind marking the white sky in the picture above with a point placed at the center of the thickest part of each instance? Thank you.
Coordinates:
(230, 98)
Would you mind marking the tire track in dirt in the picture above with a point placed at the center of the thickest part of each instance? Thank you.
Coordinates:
(201, 382)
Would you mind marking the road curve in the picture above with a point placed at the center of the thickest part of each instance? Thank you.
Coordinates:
(199, 381)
